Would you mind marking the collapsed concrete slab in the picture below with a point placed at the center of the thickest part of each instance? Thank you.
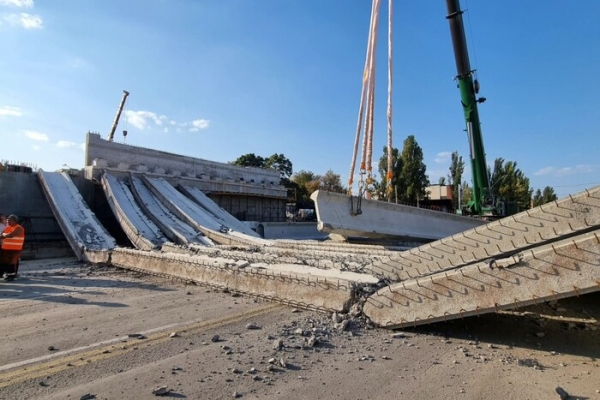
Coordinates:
(175, 229)
(304, 287)
(78, 223)
(570, 267)
(570, 215)
(140, 229)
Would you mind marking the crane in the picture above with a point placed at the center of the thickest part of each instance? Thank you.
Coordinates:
(116, 121)
(484, 203)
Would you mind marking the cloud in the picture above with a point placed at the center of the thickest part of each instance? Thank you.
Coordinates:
(34, 135)
(82, 146)
(36, 147)
(443, 157)
(27, 21)
(65, 144)
(17, 3)
(566, 171)
(7, 111)
(198, 124)
(141, 119)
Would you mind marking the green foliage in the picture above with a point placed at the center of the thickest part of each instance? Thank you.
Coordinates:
(442, 181)
(543, 197)
(276, 161)
(511, 184)
(457, 167)
(381, 186)
(280, 163)
(332, 182)
(306, 183)
(467, 193)
(414, 172)
(409, 177)
(250, 160)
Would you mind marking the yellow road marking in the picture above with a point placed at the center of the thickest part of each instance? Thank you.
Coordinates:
(55, 366)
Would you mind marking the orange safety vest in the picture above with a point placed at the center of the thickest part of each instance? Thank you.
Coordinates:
(15, 242)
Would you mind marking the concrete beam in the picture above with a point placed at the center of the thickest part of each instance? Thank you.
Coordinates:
(567, 268)
(530, 228)
(317, 289)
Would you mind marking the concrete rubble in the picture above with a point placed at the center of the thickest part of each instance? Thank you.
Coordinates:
(546, 253)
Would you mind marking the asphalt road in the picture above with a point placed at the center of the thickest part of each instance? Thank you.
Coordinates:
(69, 330)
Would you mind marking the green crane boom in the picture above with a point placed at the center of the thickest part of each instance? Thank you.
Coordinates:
(483, 204)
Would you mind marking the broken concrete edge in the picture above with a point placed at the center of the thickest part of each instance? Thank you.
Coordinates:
(294, 289)
(567, 268)
(544, 224)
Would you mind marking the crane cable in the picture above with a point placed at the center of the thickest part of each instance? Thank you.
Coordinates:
(368, 97)
(390, 170)
(363, 95)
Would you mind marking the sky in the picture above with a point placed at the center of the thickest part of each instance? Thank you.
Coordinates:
(216, 79)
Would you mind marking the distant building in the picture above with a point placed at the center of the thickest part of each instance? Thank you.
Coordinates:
(439, 197)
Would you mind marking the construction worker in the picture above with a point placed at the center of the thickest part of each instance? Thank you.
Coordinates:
(13, 239)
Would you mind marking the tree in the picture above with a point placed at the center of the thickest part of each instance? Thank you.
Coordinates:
(381, 191)
(306, 183)
(543, 197)
(442, 181)
(332, 182)
(467, 193)
(250, 160)
(280, 163)
(510, 183)
(457, 167)
(276, 161)
(414, 172)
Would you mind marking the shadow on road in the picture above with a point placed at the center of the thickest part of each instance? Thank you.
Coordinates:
(569, 326)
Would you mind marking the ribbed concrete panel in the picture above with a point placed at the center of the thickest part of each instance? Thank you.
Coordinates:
(196, 216)
(78, 223)
(566, 268)
(141, 231)
(173, 228)
(533, 227)
(217, 212)
(336, 213)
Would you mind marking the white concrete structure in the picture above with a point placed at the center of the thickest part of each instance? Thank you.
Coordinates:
(207, 175)
(79, 224)
(336, 213)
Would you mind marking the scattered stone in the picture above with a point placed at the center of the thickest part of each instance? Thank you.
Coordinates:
(398, 335)
(52, 348)
(161, 391)
(135, 335)
(88, 396)
(299, 331)
(342, 326)
(173, 334)
(295, 310)
(176, 369)
(278, 345)
(385, 357)
(540, 334)
(282, 363)
(311, 341)
(236, 395)
(272, 360)
(189, 293)
(252, 326)
(215, 338)
(562, 393)
(257, 378)
(336, 318)
(42, 383)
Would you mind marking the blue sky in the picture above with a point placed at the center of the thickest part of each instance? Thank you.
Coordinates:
(216, 79)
